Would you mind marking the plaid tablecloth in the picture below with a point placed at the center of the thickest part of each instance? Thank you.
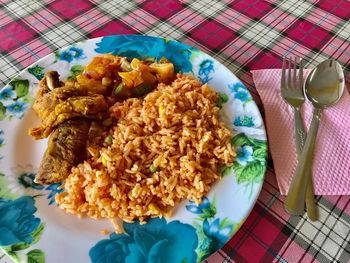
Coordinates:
(243, 35)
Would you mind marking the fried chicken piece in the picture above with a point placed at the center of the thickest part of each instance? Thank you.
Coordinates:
(66, 110)
(45, 103)
(66, 148)
(57, 102)
(52, 91)
(93, 106)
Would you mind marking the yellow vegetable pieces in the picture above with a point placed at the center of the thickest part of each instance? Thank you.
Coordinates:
(164, 71)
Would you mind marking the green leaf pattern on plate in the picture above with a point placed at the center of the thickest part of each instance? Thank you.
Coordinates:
(21, 87)
(15, 99)
(2, 111)
(37, 71)
(36, 256)
(250, 164)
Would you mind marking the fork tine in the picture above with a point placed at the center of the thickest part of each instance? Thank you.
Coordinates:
(295, 73)
(283, 78)
(289, 73)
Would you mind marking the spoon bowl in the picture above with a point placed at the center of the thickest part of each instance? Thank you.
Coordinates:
(325, 84)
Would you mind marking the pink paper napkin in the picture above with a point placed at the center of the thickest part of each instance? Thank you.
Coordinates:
(331, 165)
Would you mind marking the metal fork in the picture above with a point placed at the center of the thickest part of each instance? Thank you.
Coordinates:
(292, 89)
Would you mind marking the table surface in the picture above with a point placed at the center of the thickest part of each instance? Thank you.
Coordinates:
(243, 35)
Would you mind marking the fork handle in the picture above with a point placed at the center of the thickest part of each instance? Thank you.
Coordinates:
(300, 134)
(300, 137)
(295, 199)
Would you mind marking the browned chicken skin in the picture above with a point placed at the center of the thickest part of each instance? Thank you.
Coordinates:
(92, 107)
(66, 148)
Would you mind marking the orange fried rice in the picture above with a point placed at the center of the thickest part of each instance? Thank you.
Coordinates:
(166, 147)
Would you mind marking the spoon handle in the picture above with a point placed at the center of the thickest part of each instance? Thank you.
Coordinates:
(295, 199)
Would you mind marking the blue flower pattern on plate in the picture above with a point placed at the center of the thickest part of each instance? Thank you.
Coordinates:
(70, 54)
(7, 93)
(154, 242)
(17, 108)
(239, 92)
(66, 56)
(236, 87)
(17, 220)
(242, 95)
(217, 235)
(204, 209)
(76, 52)
(14, 99)
(54, 189)
(206, 67)
(244, 154)
(27, 181)
(143, 47)
(246, 121)
(212, 236)
(198, 209)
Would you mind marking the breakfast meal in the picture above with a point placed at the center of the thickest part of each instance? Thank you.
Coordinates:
(129, 139)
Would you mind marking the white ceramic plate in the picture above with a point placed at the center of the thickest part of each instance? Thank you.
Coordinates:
(34, 229)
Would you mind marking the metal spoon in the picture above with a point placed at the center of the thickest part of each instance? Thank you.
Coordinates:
(324, 87)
